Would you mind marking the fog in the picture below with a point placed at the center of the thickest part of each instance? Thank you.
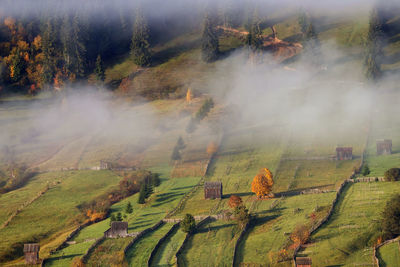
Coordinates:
(299, 97)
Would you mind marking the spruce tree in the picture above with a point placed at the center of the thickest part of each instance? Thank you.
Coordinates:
(176, 155)
(142, 194)
(112, 218)
(99, 70)
(140, 47)
(373, 47)
(119, 217)
(209, 42)
(129, 208)
(48, 65)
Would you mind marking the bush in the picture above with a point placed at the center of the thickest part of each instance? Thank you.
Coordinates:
(188, 224)
(365, 170)
(241, 215)
(392, 174)
(391, 218)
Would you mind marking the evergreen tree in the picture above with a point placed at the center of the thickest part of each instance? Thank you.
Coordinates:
(112, 218)
(48, 48)
(74, 48)
(142, 194)
(176, 155)
(374, 48)
(129, 208)
(254, 39)
(119, 217)
(209, 42)
(155, 179)
(180, 144)
(140, 41)
(149, 189)
(99, 70)
(188, 224)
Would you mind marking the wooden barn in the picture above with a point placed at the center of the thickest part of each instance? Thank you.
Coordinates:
(118, 229)
(344, 153)
(104, 165)
(384, 147)
(303, 262)
(31, 252)
(212, 190)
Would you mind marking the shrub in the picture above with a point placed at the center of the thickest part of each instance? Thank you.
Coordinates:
(300, 235)
(391, 218)
(241, 215)
(365, 170)
(392, 174)
(188, 224)
(235, 201)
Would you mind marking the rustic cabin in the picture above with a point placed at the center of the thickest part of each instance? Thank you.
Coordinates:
(31, 252)
(212, 190)
(303, 262)
(384, 147)
(118, 229)
(104, 165)
(344, 153)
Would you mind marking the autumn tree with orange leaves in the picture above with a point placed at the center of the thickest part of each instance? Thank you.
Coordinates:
(211, 149)
(235, 201)
(262, 183)
(300, 235)
(189, 96)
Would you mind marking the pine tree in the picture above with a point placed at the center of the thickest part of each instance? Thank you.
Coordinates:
(373, 49)
(149, 189)
(142, 194)
(180, 144)
(188, 224)
(119, 217)
(129, 208)
(176, 155)
(99, 70)
(140, 41)
(112, 218)
(209, 42)
(49, 66)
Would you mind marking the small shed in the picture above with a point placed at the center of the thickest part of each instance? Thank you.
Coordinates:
(118, 229)
(384, 147)
(344, 153)
(212, 190)
(303, 262)
(31, 252)
(104, 165)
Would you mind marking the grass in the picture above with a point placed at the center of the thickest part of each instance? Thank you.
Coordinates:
(211, 245)
(34, 223)
(109, 252)
(165, 255)
(139, 253)
(273, 225)
(389, 255)
(348, 236)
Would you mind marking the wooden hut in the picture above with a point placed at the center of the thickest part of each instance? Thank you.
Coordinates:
(212, 190)
(303, 262)
(118, 229)
(104, 165)
(344, 153)
(384, 147)
(31, 252)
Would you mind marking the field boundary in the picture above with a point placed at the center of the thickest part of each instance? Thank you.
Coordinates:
(140, 234)
(376, 259)
(160, 241)
(179, 252)
(235, 250)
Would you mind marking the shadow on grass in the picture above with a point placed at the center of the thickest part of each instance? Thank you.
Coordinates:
(207, 228)
(171, 52)
(64, 257)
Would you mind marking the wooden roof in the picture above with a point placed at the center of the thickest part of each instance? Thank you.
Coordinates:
(212, 185)
(116, 226)
(33, 247)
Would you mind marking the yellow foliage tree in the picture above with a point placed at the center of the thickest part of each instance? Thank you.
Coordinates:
(262, 183)
(189, 96)
(211, 148)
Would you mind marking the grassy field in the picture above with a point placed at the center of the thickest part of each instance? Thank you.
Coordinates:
(389, 255)
(276, 219)
(348, 237)
(139, 253)
(33, 223)
(165, 255)
(211, 245)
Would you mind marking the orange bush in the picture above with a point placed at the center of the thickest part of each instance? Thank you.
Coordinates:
(300, 235)
(234, 201)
